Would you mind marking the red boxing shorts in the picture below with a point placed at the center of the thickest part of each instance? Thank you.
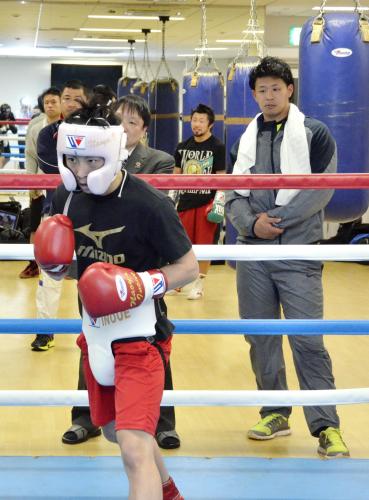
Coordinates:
(134, 401)
(198, 228)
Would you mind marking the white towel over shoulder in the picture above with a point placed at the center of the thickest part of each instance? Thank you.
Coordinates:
(295, 155)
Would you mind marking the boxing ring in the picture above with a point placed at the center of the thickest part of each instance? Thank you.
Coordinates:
(222, 477)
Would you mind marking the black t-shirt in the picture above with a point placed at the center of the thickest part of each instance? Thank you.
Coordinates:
(193, 157)
(139, 230)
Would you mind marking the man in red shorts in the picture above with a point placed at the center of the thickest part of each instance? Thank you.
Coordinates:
(200, 210)
(113, 219)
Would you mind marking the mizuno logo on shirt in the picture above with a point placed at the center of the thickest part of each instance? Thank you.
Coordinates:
(98, 236)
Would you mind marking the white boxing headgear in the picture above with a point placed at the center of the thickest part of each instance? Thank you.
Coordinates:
(106, 142)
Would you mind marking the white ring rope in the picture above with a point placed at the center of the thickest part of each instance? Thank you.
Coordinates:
(198, 398)
(12, 138)
(237, 252)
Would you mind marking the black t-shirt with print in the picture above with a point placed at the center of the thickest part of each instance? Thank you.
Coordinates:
(139, 230)
(193, 157)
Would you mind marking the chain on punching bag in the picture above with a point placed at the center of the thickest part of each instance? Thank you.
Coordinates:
(141, 86)
(130, 75)
(203, 84)
(164, 105)
(333, 76)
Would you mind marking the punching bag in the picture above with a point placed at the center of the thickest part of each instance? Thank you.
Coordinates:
(204, 85)
(241, 109)
(334, 88)
(141, 88)
(240, 104)
(125, 85)
(164, 107)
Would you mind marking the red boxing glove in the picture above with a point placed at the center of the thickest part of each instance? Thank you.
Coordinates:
(54, 245)
(108, 289)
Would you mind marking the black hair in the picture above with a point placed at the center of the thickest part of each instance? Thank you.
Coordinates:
(94, 115)
(76, 85)
(135, 103)
(104, 90)
(273, 67)
(50, 91)
(6, 112)
(40, 103)
(204, 110)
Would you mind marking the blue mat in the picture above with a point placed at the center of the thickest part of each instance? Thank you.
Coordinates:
(228, 478)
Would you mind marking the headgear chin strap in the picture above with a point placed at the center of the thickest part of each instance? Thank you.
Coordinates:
(91, 140)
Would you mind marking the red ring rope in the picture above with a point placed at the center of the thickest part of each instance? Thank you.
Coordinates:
(162, 181)
(18, 121)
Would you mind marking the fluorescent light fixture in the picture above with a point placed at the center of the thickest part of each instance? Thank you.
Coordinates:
(258, 32)
(229, 41)
(116, 40)
(238, 41)
(97, 47)
(48, 52)
(145, 18)
(294, 36)
(341, 9)
(187, 55)
(211, 48)
(116, 30)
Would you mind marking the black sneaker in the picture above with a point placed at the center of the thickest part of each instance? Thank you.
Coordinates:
(43, 342)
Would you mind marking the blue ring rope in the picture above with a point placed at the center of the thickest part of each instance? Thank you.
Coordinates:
(213, 326)
(12, 155)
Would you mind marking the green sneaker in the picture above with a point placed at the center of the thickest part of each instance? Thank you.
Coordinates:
(331, 444)
(269, 427)
(43, 342)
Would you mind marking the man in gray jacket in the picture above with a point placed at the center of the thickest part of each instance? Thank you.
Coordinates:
(282, 140)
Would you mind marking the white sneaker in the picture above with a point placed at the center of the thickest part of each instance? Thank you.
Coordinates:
(197, 290)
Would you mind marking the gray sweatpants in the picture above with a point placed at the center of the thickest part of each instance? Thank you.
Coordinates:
(296, 287)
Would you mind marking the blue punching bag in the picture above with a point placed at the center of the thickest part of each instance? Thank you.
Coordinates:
(240, 104)
(333, 83)
(125, 85)
(164, 107)
(141, 88)
(203, 85)
(241, 109)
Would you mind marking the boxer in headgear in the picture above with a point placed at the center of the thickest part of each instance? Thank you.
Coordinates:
(130, 248)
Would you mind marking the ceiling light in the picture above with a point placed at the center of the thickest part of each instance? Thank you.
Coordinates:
(117, 30)
(146, 18)
(211, 48)
(187, 55)
(97, 47)
(229, 41)
(258, 32)
(48, 52)
(117, 40)
(244, 40)
(341, 9)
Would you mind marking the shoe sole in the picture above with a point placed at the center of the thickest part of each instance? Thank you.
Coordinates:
(323, 454)
(258, 437)
(45, 348)
(86, 438)
(197, 297)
